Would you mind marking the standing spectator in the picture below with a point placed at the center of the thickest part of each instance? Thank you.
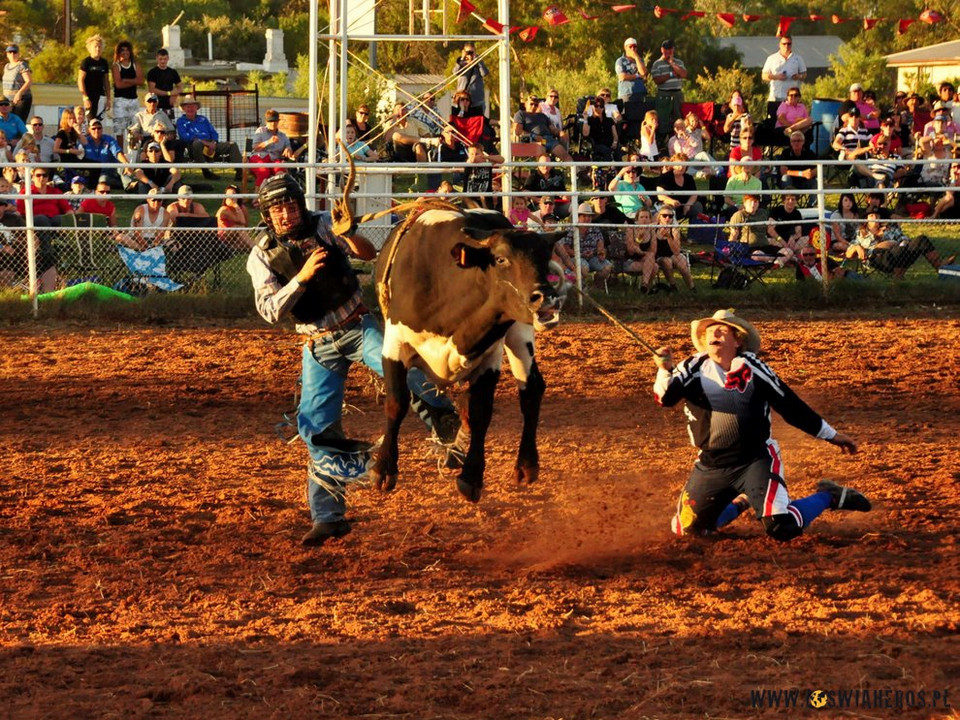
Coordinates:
(536, 125)
(783, 70)
(100, 204)
(478, 175)
(13, 127)
(271, 147)
(17, 80)
(127, 77)
(675, 181)
(470, 72)
(203, 140)
(792, 114)
(631, 72)
(150, 176)
(93, 80)
(872, 115)
(801, 177)
(648, 136)
(233, 219)
(669, 72)
(164, 82)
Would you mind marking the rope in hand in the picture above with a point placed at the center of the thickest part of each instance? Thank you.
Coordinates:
(610, 316)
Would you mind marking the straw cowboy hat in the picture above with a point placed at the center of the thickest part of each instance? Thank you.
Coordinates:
(698, 328)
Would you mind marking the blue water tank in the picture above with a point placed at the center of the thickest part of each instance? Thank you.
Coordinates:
(824, 111)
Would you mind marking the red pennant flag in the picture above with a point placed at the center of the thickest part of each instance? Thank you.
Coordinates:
(583, 14)
(659, 12)
(816, 18)
(464, 10)
(870, 23)
(931, 16)
(836, 19)
(728, 20)
(493, 26)
(693, 14)
(783, 28)
(903, 24)
(529, 33)
(555, 16)
(622, 8)
(751, 18)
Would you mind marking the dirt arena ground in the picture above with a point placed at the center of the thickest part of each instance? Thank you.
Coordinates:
(150, 564)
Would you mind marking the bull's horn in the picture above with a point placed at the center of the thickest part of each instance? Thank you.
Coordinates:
(343, 222)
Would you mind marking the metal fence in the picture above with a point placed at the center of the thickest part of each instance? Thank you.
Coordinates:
(196, 256)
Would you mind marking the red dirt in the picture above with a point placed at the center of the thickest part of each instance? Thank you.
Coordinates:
(150, 562)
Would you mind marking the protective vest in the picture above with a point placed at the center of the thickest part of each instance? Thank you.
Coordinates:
(327, 290)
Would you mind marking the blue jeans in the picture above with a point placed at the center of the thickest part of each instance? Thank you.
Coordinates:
(324, 373)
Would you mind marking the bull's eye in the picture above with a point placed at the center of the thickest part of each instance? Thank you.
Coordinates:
(502, 261)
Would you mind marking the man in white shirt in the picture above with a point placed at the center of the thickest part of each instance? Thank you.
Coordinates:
(783, 70)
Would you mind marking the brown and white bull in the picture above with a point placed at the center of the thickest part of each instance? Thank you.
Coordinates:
(457, 288)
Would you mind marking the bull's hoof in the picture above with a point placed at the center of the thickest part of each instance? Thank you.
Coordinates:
(526, 475)
(383, 483)
(470, 492)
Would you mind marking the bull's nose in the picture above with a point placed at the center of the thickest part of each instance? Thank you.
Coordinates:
(536, 298)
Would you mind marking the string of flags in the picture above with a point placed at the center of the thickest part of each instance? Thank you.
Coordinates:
(555, 16)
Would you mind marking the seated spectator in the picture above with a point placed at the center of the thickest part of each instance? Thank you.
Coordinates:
(946, 206)
(865, 111)
(941, 124)
(799, 177)
(792, 114)
(102, 148)
(366, 130)
(6, 149)
(871, 116)
(529, 124)
(745, 150)
(675, 181)
(919, 113)
(519, 214)
(631, 195)
(843, 223)
(749, 226)
(270, 148)
(406, 136)
(852, 143)
(648, 136)
(150, 221)
(886, 248)
(593, 247)
(545, 208)
(49, 209)
(478, 176)
(77, 192)
(741, 181)
(100, 204)
(668, 253)
(171, 149)
(186, 208)
(735, 118)
(886, 151)
(68, 142)
(149, 175)
(545, 178)
(42, 144)
(233, 219)
(202, 138)
(461, 106)
(11, 173)
(687, 138)
(610, 108)
(601, 130)
(425, 112)
(935, 170)
(470, 123)
(785, 228)
(808, 266)
(11, 124)
(641, 250)
(358, 149)
(141, 129)
(904, 118)
(27, 147)
(550, 107)
(9, 217)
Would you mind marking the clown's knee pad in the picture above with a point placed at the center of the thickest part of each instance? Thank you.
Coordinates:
(685, 519)
(782, 527)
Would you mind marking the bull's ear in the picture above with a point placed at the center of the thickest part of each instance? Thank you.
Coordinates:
(478, 234)
(468, 256)
(554, 237)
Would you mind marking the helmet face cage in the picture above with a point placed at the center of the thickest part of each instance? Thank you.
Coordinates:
(277, 190)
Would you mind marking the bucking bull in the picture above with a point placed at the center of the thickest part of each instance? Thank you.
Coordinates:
(457, 288)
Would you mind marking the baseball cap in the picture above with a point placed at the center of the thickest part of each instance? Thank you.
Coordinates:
(667, 44)
(153, 146)
(150, 97)
(585, 208)
(12, 47)
(271, 115)
(939, 105)
(96, 123)
(629, 41)
(4, 101)
(856, 86)
(78, 180)
(153, 191)
(854, 111)
(185, 191)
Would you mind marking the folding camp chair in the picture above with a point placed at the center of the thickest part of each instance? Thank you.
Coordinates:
(736, 267)
(148, 270)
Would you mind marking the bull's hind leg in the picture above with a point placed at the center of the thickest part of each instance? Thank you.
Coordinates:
(520, 355)
(384, 472)
(479, 412)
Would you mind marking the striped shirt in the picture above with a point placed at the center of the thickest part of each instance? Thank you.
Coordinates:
(661, 67)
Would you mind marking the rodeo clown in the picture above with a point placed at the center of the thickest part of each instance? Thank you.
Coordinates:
(300, 267)
(729, 393)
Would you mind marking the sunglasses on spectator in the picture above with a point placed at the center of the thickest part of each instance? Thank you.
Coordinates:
(667, 215)
(787, 44)
(103, 192)
(793, 94)
(604, 94)
(363, 112)
(36, 124)
(40, 174)
(554, 96)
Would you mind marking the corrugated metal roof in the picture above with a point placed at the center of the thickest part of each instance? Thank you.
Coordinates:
(945, 53)
(417, 79)
(814, 49)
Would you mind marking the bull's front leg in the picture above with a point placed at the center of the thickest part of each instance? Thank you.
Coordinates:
(528, 457)
(478, 414)
(385, 470)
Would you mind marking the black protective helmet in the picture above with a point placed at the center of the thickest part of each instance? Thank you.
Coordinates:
(279, 189)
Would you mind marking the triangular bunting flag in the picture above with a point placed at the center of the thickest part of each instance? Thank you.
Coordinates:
(817, 18)
(728, 20)
(836, 19)
(783, 28)
(464, 10)
(622, 8)
(554, 16)
(659, 12)
(583, 14)
(493, 26)
(870, 23)
(751, 18)
(903, 24)
(528, 33)
(693, 14)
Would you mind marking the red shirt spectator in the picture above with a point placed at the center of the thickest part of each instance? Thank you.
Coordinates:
(46, 200)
